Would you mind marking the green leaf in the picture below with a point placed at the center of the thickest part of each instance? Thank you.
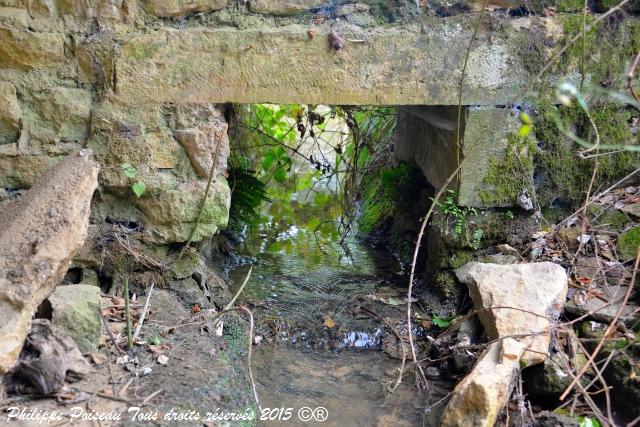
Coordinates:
(440, 322)
(269, 158)
(138, 188)
(129, 170)
(524, 130)
(280, 174)
(588, 422)
(525, 118)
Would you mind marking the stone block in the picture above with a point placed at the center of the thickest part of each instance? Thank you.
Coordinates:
(62, 115)
(180, 8)
(485, 138)
(26, 50)
(285, 7)
(402, 65)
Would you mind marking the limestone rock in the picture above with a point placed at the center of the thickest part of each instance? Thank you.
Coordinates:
(284, 7)
(173, 212)
(10, 113)
(534, 292)
(76, 310)
(22, 171)
(279, 65)
(64, 115)
(479, 397)
(179, 8)
(26, 50)
(516, 304)
(39, 233)
(205, 143)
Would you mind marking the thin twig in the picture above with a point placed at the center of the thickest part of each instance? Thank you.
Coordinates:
(196, 224)
(235, 297)
(253, 383)
(106, 327)
(151, 396)
(630, 75)
(415, 261)
(144, 313)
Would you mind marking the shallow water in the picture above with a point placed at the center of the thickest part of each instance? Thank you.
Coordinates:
(310, 283)
(351, 386)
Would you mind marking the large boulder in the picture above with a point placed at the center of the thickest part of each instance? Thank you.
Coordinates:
(517, 299)
(517, 305)
(76, 310)
(39, 234)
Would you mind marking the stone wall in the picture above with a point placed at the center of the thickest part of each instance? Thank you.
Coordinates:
(141, 82)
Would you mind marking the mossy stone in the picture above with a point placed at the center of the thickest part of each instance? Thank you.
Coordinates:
(628, 243)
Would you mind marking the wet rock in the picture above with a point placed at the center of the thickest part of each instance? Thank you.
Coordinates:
(49, 359)
(468, 334)
(76, 310)
(10, 113)
(39, 234)
(512, 300)
(547, 380)
(179, 8)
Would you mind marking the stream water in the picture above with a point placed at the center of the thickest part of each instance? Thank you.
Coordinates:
(326, 350)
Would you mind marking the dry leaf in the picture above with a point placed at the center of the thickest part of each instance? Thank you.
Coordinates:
(328, 322)
(163, 360)
(219, 328)
(122, 360)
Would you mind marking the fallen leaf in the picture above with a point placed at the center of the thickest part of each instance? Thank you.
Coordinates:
(163, 360)
(196, 308)
(122, 360)
(584, 280)
(219, 328)
(328, 322)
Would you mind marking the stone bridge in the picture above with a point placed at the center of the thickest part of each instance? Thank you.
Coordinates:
(139, 82)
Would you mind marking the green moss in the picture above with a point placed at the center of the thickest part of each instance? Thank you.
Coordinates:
(510, 174)
(606, 49)
(569, 5)
(561, 175)
(141, 51)
(459, 258)
(383, 195)
(446, 282)
(628, 243)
